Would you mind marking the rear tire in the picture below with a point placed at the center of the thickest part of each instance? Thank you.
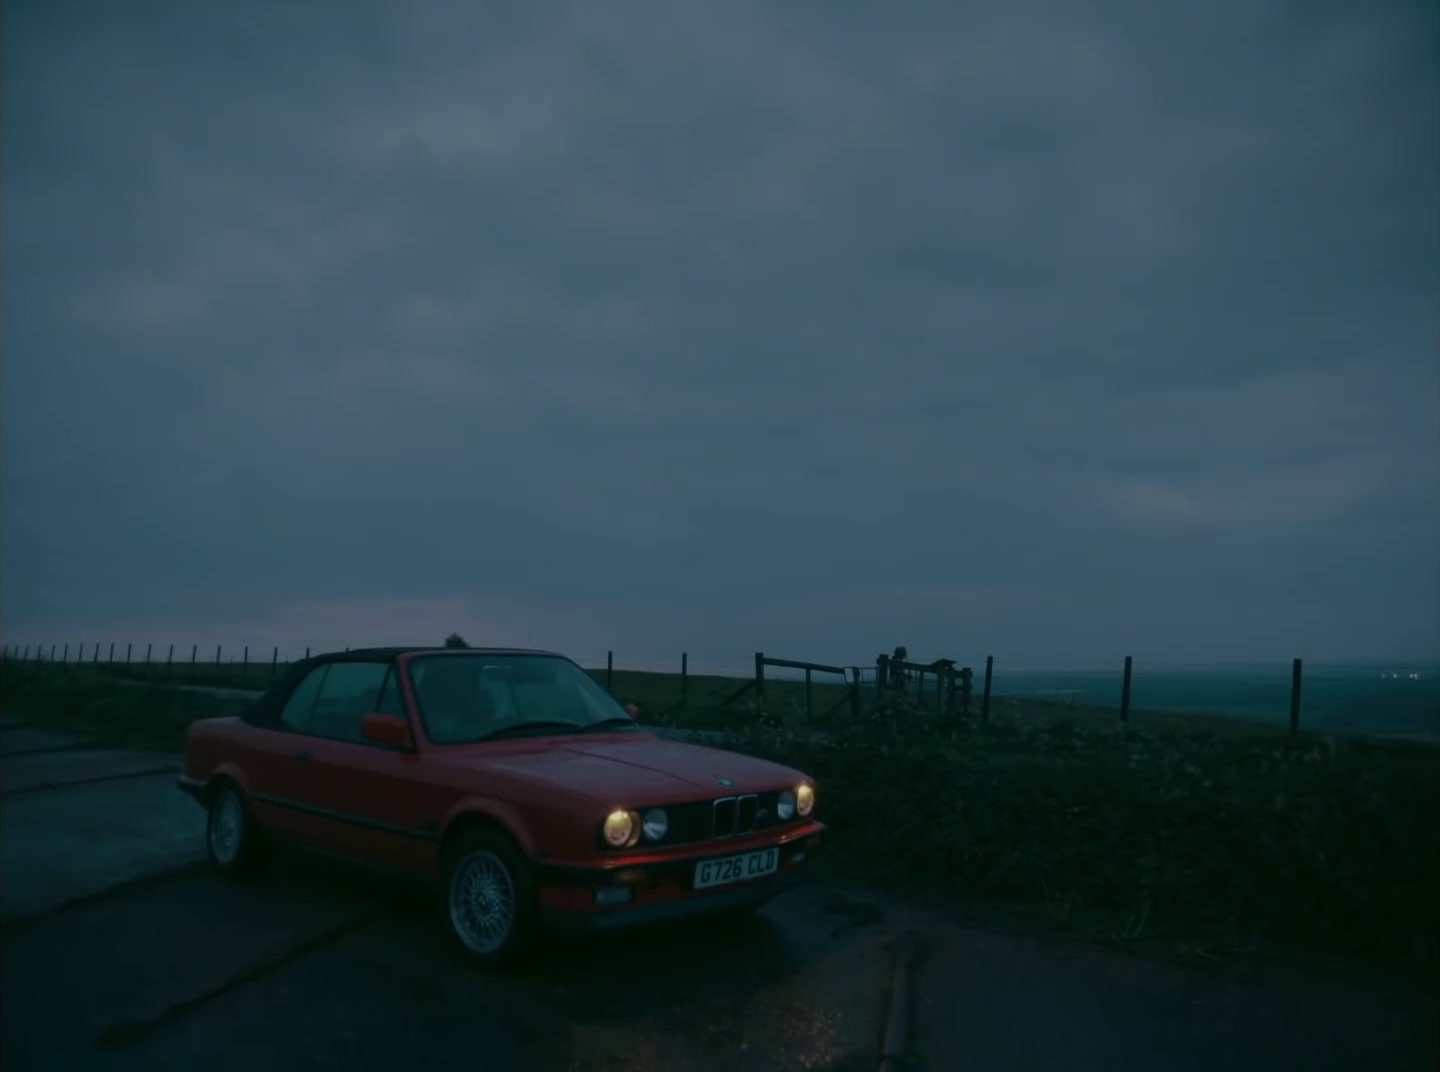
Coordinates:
(231, 836)
(490, 904)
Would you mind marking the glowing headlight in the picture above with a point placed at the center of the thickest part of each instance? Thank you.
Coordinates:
(619, 829)
(805, 799)
(656, 824)
(785, 806)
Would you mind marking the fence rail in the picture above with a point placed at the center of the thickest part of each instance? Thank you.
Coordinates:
(953, 685)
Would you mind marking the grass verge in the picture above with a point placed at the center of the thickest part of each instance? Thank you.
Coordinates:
(101, 710)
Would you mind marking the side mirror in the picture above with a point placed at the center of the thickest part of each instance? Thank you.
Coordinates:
(390, 730)
(632, 710)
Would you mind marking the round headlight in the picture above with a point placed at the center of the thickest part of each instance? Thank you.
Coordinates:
(805, 799)
(656, 824)
(619, 829)
(785, 806)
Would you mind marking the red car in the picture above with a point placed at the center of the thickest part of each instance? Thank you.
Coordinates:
(509, 775)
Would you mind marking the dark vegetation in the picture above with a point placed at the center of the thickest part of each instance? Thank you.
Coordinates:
(105, 710)
(1218, 848)
(1211, 839)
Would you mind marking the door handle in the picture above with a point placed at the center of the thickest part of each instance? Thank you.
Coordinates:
(303, 757)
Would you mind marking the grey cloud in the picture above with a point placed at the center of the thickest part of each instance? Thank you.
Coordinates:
(629, 323)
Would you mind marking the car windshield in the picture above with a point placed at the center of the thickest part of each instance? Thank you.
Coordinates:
(465, 698)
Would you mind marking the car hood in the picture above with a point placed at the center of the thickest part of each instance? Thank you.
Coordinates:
(633, 768)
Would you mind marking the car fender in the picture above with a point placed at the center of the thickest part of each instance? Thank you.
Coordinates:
(506, 816)
(229, 770)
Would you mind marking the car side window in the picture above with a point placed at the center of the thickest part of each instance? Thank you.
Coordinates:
(391, 702)
(301, 705)
(350, 690)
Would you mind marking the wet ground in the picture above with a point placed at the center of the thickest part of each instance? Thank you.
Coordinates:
(121, 950)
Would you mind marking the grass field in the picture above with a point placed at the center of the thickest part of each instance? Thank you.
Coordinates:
(1212, 839)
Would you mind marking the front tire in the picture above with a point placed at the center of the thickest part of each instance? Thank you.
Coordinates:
(231, 838)
(490, 902)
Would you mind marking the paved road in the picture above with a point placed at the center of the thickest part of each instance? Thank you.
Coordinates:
(314, 966)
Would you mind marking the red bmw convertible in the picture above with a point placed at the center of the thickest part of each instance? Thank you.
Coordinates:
(511, 777)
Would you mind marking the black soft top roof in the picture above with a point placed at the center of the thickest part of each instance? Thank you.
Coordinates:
(266, 710)
(371, 654)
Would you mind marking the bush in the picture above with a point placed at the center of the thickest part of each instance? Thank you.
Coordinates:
(1310, 844)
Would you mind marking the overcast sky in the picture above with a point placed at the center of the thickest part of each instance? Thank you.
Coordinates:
(1050, 331)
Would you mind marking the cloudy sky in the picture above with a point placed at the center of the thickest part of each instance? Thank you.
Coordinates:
(1053, 331)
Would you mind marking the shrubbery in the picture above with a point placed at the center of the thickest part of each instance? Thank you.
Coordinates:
(1313, 844)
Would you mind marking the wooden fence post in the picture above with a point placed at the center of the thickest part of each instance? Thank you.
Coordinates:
(274, 661)
(1125, 694)
(111, 659)
(245, 662)
(217, 656)
(307, 653)
(985, 701)
(128, 646)
(148, 646)
(194, 651)
(684, 676)
(65, 655)
(609, 671)
(807, 694)
(1295, 697)
(759, 682)
(95, 657)
(169, 659)
(855, 695)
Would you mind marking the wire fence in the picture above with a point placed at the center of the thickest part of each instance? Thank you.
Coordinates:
(1390, 699)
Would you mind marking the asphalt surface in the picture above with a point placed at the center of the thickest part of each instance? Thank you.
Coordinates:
(121, 950)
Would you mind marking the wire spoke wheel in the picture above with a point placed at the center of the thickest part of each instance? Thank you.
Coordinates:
(482, 902)
(227, 828)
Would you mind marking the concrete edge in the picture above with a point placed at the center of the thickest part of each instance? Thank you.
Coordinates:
(41, 787)
(25, 920)
(131, 1028)
(895, 1037)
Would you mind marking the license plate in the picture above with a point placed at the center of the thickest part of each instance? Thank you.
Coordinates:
(727, 869)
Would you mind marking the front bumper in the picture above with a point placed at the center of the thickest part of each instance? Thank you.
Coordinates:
(745, 895)
(662, 886)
